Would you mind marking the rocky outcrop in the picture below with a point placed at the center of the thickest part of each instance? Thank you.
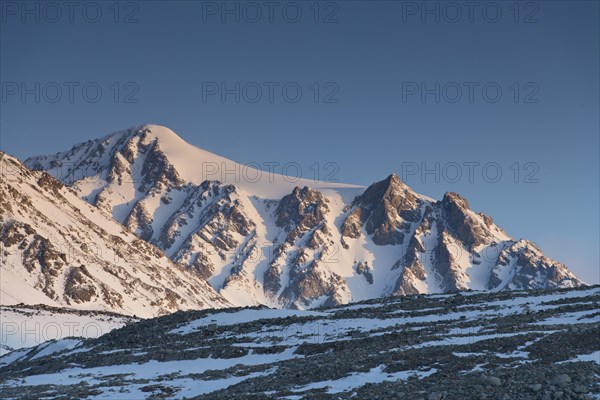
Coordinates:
(460, 221)
(365, 270)
(301, 211)
(79, 285)
(312, 283)
(412, 270)
(139, 222)
(459, 242)
(522, 265)
(386, 209)
(308, 240)
(448, 254)
(39, 257)
(156, 170)
(352, 225)
(209, 228)
(200, 226)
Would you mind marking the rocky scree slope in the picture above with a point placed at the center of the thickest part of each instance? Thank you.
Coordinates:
(537, 344)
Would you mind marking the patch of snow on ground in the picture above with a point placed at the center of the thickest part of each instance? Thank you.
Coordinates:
(356, 380)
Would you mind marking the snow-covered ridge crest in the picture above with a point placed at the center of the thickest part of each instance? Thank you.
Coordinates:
(192, 164)
(295, 244)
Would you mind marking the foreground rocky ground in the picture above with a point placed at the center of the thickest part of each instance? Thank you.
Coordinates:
(507, 345)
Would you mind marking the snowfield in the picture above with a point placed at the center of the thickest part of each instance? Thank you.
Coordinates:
(28, 326)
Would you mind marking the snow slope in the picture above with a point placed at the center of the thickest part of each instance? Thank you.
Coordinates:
(23, 327)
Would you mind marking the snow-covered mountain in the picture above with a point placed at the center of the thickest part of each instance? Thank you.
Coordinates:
(58, 250)
(262, 238)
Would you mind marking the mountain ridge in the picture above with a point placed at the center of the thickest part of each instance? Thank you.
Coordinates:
(58, 250)
(295, 244)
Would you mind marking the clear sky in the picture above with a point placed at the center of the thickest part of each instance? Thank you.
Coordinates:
(373, 87)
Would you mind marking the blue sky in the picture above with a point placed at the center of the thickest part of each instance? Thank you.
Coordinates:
(386, 86)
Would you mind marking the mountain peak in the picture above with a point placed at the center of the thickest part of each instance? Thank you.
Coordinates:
(160, 132)
(393, 179)
(456, 199)
(390, 186)
(169, 142)
(392, 182)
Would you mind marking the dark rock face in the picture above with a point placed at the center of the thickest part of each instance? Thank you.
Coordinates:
(48, 183)
(387, 209)
(203, 220)
(301, 211)
(447, 254)
(364, 270)
(462, 225)
(353, 224)
(139, 221)
(412, 269)
(79, 285)
(308, 284)
(39, 256)
(157, 170)
(272, 279)
(302, 215)
(213, 219)
(526, 267)
(458, 233)
(203, 266)
(393, 214)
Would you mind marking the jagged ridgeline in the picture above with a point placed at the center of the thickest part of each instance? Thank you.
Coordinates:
(288, 243)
